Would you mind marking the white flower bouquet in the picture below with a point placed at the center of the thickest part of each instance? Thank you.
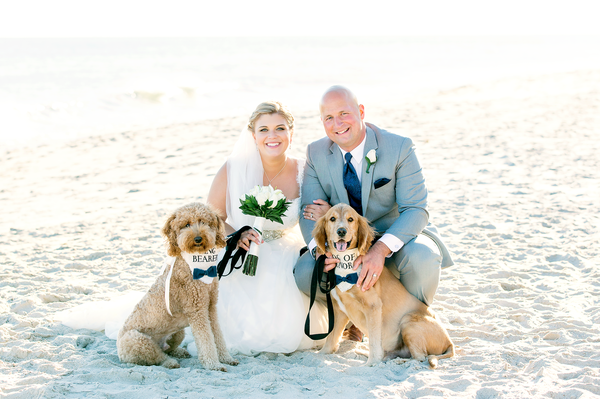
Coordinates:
(265, 203)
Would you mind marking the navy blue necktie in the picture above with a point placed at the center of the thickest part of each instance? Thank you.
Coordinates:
(352, 185)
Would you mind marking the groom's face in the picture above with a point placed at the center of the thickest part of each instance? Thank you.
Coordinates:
(343, 120)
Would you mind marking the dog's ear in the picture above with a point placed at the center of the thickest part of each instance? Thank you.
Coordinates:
(220, 237)
(171, 236)
(366, 234)
(320, 233)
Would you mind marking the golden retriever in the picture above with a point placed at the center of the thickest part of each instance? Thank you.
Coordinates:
(396, 322)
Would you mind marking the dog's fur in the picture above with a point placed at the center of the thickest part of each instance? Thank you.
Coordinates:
(396, 322)
(150, 336)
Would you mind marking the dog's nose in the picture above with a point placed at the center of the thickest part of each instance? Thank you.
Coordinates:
(341, 232)
(198, 240)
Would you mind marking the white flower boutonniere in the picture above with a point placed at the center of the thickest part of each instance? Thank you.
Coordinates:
(371, 159)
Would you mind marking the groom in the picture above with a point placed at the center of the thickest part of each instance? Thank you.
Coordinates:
(391, 195)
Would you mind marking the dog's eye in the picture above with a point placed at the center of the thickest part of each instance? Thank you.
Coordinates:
(187, 225)
(350, 220)
(332, 219)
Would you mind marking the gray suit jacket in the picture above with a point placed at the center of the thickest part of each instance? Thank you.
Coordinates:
(398, 207)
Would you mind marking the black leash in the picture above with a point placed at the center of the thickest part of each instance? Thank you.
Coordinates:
(232, 240)
(326, 283)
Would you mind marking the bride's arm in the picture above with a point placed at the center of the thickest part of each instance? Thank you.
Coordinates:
(217, 197)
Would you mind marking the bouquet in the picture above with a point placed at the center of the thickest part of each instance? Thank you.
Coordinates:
(264, 202)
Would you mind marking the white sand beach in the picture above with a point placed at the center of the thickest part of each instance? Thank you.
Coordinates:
(512, 167)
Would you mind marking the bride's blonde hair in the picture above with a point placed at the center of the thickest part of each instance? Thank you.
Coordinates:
(271, 107)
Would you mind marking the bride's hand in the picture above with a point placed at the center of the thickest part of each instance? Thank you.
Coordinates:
(247, 237)
(317, 209)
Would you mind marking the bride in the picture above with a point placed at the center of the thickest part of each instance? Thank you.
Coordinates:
(265, 312)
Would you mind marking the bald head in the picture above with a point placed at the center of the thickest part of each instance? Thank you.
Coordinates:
(338, 90)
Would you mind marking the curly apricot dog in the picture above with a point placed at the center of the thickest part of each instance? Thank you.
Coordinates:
(396, 322)
(151, 334)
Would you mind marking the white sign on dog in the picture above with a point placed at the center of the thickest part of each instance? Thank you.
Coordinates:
(202, 266)
(344, 269)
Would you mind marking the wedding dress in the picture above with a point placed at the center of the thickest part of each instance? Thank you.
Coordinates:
(266, 312)
(261, 313)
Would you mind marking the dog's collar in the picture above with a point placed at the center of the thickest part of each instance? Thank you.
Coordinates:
(201, 265)
(203, 268)
(345, 267)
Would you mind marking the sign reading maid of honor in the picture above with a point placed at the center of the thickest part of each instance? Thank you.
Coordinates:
(346, 277)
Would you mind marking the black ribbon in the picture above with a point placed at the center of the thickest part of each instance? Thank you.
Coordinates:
(232, 241)
(326, 282)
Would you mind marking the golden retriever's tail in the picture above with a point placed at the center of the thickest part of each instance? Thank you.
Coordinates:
(433, 359)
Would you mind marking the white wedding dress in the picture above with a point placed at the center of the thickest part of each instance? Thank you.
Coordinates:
(266, 312)
(261, 313)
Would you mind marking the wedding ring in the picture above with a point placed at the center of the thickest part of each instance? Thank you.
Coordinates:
(311, 215)
(374, 275)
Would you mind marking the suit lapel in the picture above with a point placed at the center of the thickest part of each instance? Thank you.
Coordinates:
(367, 178)
(335, 163)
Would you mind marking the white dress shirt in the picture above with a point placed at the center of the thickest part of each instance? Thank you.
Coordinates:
(390, 240)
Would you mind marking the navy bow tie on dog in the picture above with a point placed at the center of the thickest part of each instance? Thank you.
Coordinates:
(210, 272)
(349, 278)
(352, 185)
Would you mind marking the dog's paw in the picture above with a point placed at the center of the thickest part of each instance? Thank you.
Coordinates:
(170, 363)
(372, 362)
(180, 353)
(231, 361)
(215, 366)
(328, 351)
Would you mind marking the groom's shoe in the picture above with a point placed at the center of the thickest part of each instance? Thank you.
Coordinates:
(352, 333)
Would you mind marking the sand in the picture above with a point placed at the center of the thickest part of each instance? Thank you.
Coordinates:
(513, 172)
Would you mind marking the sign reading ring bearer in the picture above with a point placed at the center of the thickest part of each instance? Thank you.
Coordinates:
(345, 275)
(203, 268)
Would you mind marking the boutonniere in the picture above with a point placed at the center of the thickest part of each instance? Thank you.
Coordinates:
(371, 159)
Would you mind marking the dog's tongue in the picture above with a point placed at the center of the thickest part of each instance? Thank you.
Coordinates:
(341, 246)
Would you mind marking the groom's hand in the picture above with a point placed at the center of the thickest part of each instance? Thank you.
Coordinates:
(372, 265)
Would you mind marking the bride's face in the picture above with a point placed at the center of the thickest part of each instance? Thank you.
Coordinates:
(272, 135)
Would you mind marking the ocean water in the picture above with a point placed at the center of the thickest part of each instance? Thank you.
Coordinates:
(60, 89)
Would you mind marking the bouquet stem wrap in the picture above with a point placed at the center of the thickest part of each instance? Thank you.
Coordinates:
(252, 258)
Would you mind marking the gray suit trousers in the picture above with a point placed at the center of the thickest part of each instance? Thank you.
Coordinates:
(417, 265)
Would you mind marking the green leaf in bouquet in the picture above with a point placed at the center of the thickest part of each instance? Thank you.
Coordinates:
(277, 219)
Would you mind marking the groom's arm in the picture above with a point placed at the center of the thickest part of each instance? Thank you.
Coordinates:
(311, 190)
(411, 197)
